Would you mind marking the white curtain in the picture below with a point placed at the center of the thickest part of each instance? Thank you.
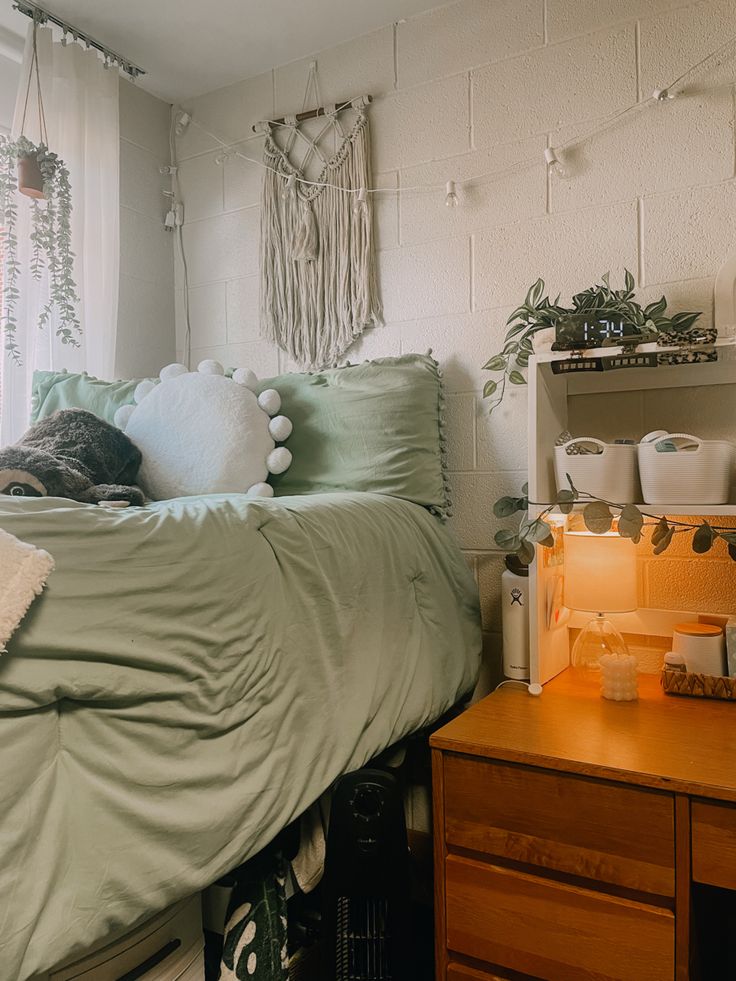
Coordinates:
(80, 99)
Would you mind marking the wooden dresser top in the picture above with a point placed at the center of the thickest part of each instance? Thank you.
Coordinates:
(684, 745)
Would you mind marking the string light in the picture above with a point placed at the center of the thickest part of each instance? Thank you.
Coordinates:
(361, 203)
(554, 166)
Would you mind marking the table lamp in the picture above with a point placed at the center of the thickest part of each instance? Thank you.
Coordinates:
(600, 578)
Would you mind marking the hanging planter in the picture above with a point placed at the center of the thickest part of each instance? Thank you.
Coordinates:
(30, 178)
(31, 169)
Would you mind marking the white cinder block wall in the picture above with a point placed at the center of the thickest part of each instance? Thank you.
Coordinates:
(146, 300)
(477, 86)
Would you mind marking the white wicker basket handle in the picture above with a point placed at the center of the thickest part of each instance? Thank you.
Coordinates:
(687, 436)
(585, 439)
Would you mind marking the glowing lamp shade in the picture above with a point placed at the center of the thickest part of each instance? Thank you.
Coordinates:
(600, 573)
(600, 577)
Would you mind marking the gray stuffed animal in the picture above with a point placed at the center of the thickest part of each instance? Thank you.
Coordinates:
(72, 454)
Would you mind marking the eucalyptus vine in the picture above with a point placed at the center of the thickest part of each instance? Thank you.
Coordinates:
(51, 240)
(599, 516)
(538, 313)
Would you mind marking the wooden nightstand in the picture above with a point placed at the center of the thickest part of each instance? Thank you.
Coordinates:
(572, 836)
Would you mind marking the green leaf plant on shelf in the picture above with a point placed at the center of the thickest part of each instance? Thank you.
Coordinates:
(599, 517)
(601, 304)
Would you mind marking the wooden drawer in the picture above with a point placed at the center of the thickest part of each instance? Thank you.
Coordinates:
(459, 972)
(552, 930)
(588, 828)
(170, 943)
(714, 844)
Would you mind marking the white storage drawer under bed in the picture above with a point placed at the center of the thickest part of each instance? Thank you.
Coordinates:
(168, 947)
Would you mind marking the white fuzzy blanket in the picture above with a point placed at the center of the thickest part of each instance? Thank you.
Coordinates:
(24, 570)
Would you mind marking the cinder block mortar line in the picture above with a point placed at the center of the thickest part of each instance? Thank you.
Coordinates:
(733, 101)
(145, 149)
(477, 406)
(471, 273)
(640, 241)
(545, 29)
(471, 111)
(637, 58)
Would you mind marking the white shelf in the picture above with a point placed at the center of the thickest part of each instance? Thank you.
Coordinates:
(721, 372)
(552, 401)
(671, 510)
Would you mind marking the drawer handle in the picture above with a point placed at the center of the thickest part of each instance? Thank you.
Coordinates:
(152, 961)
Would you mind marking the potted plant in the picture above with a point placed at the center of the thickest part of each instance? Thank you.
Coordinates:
(33, 170)
(601, 301)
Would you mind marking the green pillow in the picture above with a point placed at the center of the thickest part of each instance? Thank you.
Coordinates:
(375, 426)
(54, 390)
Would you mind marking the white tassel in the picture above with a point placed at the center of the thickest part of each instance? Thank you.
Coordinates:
(306, 239)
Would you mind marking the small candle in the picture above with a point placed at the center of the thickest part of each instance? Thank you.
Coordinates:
(618, 677)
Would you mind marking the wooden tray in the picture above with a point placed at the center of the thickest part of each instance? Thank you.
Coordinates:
(698, 685)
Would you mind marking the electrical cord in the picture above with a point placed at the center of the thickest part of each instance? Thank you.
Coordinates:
(177, 207)
(533, 688)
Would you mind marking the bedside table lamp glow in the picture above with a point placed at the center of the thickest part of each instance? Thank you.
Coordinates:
(600, 578)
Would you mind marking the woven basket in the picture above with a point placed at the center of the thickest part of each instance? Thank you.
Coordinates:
(698, 685)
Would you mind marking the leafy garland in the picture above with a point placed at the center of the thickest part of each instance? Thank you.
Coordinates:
(50, 239)
(598, 516)
(538, 312)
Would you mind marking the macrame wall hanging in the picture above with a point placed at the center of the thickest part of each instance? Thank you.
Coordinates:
(318, 275)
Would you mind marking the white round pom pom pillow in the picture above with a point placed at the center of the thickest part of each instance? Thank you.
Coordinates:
(203, 433)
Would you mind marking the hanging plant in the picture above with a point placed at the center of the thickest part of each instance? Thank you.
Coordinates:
(33, 170)
(50, 239)
(598, 516)
(600, 302)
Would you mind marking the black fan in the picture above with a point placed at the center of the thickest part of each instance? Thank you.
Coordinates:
(367, 882)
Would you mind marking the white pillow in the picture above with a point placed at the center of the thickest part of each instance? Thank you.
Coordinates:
(202, 433)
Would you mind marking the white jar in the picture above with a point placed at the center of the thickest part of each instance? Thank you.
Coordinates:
(515, 619)
(702, 647)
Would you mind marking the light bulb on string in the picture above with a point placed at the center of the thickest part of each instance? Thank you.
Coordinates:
(360, 206)
(662, 96)
(451, 198)
(554, 166)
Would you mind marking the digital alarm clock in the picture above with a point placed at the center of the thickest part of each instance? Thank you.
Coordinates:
(579, 331)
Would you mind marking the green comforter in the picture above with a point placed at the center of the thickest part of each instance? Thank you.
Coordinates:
(195, 674)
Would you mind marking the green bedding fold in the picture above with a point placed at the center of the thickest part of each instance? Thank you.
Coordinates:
(196, 673)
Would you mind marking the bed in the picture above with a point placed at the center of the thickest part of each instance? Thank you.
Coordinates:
(196, 673)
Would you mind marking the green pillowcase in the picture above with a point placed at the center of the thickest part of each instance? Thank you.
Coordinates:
(375, 426)
(54, 390)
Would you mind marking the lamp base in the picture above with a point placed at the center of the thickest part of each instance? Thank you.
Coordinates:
(598, 637)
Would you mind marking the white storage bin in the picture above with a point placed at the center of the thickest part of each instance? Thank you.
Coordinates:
(611, 474)
(699, 473)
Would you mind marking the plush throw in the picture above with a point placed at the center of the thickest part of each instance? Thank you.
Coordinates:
(202, 433)
(24, 570)
(72, 454)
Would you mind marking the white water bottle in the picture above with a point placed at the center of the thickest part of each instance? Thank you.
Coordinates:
(515, 618)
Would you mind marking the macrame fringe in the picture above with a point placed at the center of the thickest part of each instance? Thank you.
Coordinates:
(318, 276)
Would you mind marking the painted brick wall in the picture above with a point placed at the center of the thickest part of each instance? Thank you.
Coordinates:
(472, 87)
(146, 300)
